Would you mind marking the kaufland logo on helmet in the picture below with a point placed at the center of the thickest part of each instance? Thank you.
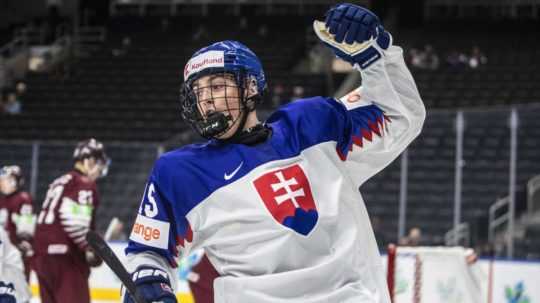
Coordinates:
(203, 61)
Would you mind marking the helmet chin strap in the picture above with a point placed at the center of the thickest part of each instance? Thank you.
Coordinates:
(215, 124)
(241, 133)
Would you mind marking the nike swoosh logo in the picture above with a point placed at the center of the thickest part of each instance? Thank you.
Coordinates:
(229, 176)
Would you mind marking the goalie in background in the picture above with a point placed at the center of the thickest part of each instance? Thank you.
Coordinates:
(16, 212)
(63, 257)
(276, 206)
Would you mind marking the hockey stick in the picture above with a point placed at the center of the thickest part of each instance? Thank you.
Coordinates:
(103, 250)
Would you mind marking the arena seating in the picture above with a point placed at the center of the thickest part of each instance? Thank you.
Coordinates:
(432, 168)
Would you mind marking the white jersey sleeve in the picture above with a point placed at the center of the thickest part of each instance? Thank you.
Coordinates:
(11, 268)
(388, 86)
(160, 236)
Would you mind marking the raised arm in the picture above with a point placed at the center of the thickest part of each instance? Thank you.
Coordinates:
(387, 112)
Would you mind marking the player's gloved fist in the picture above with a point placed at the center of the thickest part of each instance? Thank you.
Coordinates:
(92, 259)
(354, 33)
(351, 23)
(7, 293)
(153, 284)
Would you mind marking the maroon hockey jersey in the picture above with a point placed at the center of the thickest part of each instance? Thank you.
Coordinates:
(19, 203)
(67, 213)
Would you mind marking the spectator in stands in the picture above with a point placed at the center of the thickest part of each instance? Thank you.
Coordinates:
(277, 95)
(20, 88)
(414, 238)
(456, 60)
(416, 58)
(298, 92)
(477, 58)
(126, 45)
(12, 105)
(424, 59)
(20, 91)
(430, 57)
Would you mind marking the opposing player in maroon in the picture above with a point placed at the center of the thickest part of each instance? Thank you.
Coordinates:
(63, 257)
(16, 214)
(201, 283)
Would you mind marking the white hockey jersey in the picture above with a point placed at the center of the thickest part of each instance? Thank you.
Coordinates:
(283, 221)
(11, 268)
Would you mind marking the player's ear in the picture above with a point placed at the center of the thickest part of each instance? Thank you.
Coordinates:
(251, 87)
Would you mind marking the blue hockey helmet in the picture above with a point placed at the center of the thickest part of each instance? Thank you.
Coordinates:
(228, 57)
(225, 56)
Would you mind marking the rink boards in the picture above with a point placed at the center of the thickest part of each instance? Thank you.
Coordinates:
(509, 278)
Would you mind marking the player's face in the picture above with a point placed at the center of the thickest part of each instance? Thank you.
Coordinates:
(94, 168)
(219, 93)
(8, 184)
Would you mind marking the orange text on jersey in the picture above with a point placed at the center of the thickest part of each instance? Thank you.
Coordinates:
(147, 232)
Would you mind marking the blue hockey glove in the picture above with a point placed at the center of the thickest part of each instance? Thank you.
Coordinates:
(153, 284)
(354, 33)
(7, 293)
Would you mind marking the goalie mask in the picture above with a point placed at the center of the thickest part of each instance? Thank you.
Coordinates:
(11, 179)
(239, 70)
(92, 148)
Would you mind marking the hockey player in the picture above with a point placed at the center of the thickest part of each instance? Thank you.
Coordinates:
(200, 275)
(63, 257)
(16, 215)
(13, 286)
(276, 206)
